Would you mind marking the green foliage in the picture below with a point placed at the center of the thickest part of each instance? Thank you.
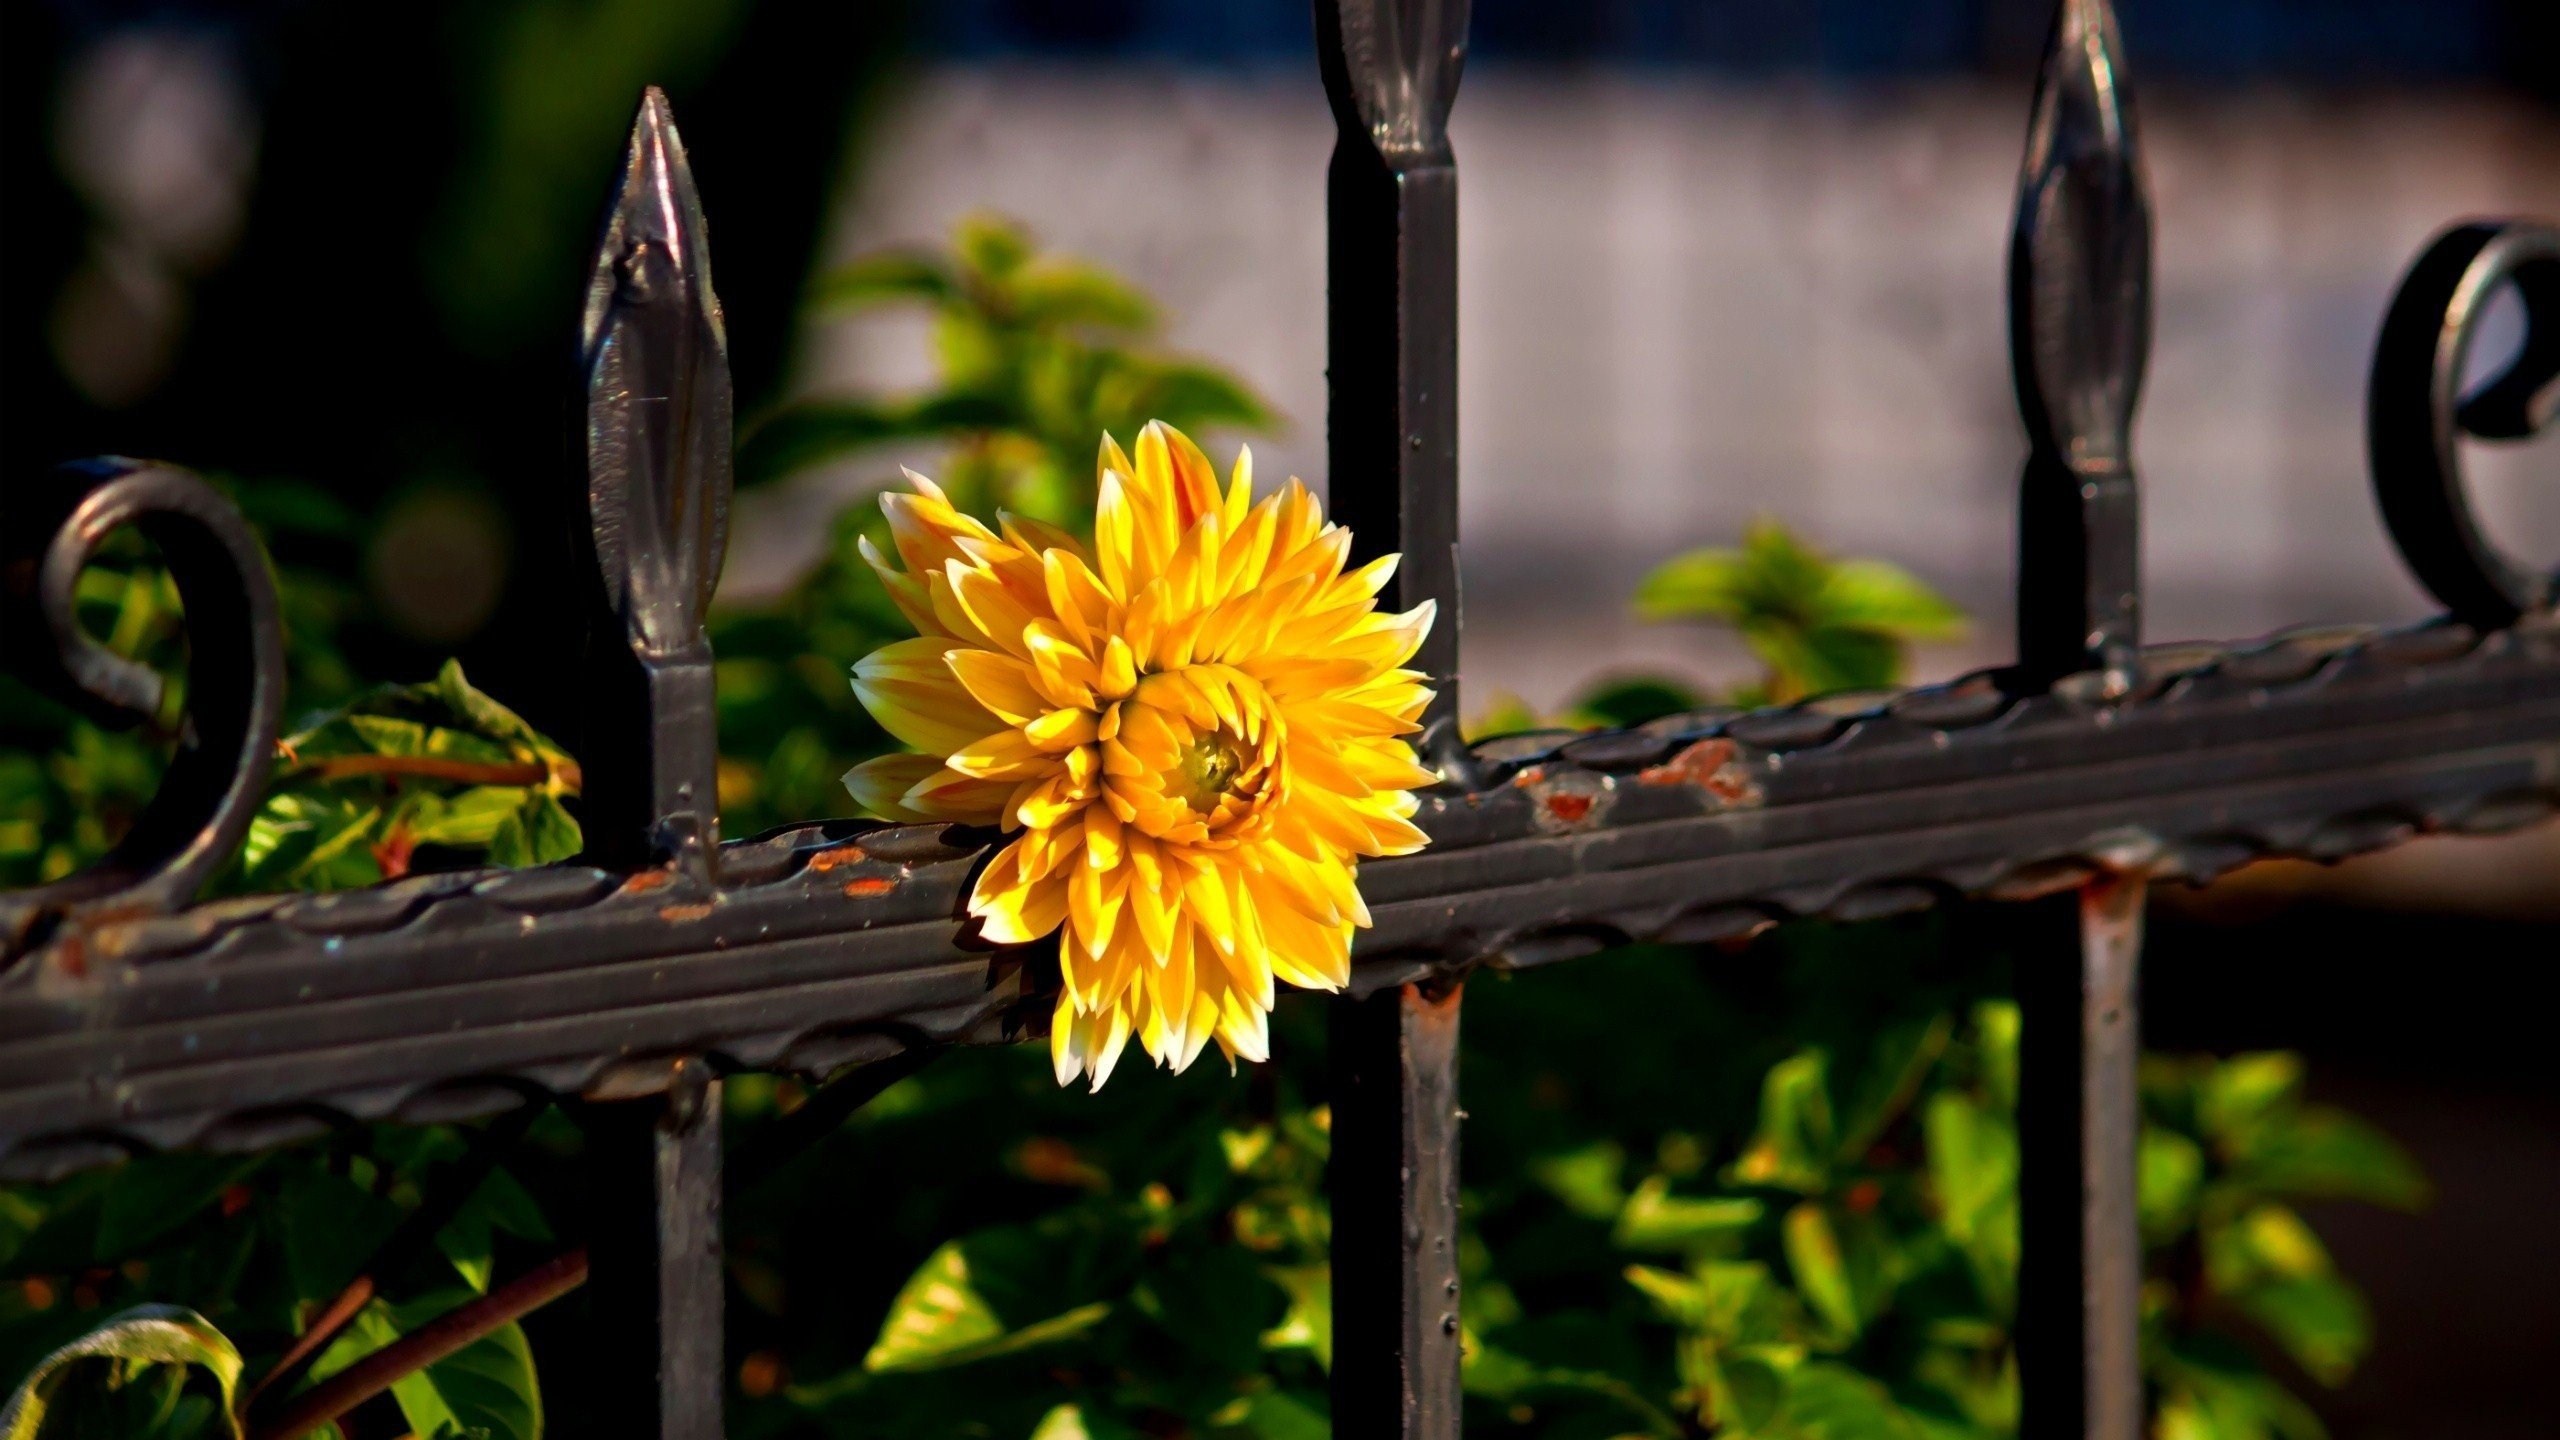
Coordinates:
(1104, 1264)
(1817, 624)
(229, 1258)
(139, 1385)
(1039, 357)
(438, 766)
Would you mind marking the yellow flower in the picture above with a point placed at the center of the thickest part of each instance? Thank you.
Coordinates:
(1196, 726)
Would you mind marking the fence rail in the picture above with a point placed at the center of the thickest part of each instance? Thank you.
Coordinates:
(631, 980)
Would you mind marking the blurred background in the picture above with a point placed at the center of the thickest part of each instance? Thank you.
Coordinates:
(1720, 258)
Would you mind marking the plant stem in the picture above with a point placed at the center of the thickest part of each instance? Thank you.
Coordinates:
(437, 767)
(443, 1201)
(426, 1345)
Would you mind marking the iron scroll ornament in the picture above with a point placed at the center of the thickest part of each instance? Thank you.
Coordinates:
(2416, 415)
(234, 673)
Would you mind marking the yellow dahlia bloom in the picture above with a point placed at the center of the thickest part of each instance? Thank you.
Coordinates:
(1195, 726)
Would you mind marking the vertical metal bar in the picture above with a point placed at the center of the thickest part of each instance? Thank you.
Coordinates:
(1395, 1214)
(2079, 336)
(2080, 1271)
(658, 435)
(654, 1248)
(1391, 71)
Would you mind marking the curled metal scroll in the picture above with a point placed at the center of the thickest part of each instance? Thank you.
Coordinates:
(235, 669)
(2416, 415)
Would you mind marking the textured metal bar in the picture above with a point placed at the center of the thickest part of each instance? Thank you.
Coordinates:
(658, 440)
(2080, 1270)
(656, 1280)
(2079, 335)
(1395, 1213)
(238, 1022)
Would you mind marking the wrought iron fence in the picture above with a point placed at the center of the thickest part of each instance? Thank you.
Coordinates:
(631, 980)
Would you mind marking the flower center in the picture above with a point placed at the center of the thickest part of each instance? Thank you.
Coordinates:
(1207, 769)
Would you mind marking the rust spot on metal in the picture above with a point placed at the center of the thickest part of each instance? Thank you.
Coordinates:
(826, 860)
(681, 913)
(867, 886)
(648, 880)
(1713, 765)
(1567, 798)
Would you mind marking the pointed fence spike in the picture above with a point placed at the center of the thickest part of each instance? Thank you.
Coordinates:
(2080, 335)
(658, 400)
(658, 440)
(1391, 68)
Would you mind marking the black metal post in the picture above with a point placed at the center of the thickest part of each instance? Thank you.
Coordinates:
(2079, 334)
(653, 1245)
(1395, 1214)
(2080, 1268)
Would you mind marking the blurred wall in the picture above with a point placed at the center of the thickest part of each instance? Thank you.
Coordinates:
(1686, 300)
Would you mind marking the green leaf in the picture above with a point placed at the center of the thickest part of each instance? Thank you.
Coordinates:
(1820, 1264)
(2245, 1090)
(1280, 1415)
(2320, 1320)
(2171, 1170)
(1196, 397)
(143, 1336)
(152, 1196)
(1898, 1059)
(936, 1315)
(1655, 1219)
(1586, 1180)
(487, 1388)
(1973, 1171)
(2319, 1153)
(940, 1318)
(1070, 293)
(815, 432)
(1827, 1401)
(1308, 1322)
(1714, 584)
(539, 831)
(1499, 1375)
(991, 245)
(1071, 1422)
(1793, 1147)
(1887, 600)
(888, 276)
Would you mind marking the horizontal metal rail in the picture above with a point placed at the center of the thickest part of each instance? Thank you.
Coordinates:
(240, 1022)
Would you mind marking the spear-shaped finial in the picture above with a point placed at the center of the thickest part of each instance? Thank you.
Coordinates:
(2079, 335)
(658, 445)
(1391, 68)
